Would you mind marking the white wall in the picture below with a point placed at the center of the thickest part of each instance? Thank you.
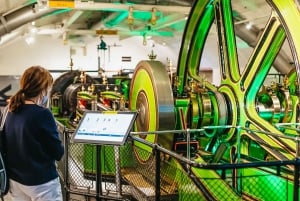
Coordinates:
(53, 54)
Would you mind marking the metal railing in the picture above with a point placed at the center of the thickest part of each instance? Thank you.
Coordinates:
(151, 172)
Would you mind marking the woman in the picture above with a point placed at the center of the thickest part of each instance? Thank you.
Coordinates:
(32, 140)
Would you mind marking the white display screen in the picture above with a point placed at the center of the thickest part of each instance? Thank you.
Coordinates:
(104, 127)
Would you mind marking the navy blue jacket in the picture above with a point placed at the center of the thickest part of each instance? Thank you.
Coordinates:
(32, 145)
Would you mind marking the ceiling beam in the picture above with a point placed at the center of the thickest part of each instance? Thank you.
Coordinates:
(168, 21)
(68, 22)
(115, 19)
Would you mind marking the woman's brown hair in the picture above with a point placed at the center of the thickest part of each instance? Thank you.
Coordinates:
(33, 82)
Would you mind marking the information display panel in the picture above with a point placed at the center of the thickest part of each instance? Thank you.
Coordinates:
(104, 127)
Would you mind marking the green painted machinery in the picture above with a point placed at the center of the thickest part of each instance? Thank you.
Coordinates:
(75, 92)
(236, 113)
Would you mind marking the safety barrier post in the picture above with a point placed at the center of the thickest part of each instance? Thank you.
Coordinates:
(188, 140)
(296, 172)
(66, 164)
(118, 170)
(98, 173)
(157, 173)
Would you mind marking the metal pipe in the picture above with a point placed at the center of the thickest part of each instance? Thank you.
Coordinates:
(165, 132)
(217, 166)
(17, 18)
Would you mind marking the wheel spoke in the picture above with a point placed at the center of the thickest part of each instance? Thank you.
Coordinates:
(234, 101)
(227, 44)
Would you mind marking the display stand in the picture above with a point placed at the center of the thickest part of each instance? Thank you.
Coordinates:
(104, 128)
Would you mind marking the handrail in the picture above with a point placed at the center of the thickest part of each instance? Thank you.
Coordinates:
(214, 165)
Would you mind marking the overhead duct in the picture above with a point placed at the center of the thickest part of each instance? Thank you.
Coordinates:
(250, 36)
(17, 18)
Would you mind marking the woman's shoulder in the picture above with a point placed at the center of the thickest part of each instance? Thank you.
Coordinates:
(35, 109)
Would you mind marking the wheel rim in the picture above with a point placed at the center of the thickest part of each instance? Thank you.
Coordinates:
(151, 96)
(239, 88)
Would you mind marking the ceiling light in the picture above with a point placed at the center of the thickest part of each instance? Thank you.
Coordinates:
(65, 38)
(153, 16)
(144, 39)
(152, 56)
(33, 30)
(249, 25)
(71, 63)
(30, 40)
(130, 18)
